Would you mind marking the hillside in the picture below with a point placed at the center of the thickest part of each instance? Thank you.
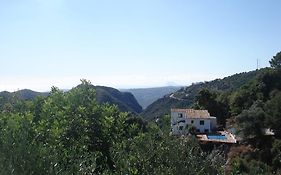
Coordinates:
(186, 96)
(146, 96)
(124, 100)
(24, 94)
(69, 133)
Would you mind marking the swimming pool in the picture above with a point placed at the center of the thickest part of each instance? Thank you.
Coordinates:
(217, 137)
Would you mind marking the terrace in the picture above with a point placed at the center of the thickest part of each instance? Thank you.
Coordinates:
(219, 137)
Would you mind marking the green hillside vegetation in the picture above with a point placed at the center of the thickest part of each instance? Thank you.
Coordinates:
(254, 108)
(70, 133)
(185, 97)
(125, 101)
(27, 94)
(249, 102)
(146, 96)
(24, 94)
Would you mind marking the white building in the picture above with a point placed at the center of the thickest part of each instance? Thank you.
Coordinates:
(182, 119)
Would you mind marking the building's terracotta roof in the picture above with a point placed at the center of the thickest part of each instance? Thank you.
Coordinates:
(192, 113)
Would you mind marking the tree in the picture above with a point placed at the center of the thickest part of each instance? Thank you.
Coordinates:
(250, 123)
(273, 109)
(275, 62)
(69, 133)
(156, 152)
(64, 133)
(276, 151)
(208, 100)
(192, 130)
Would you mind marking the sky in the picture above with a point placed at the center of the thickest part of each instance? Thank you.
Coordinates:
(133, 43)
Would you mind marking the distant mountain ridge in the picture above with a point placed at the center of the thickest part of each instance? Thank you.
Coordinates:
(185, 97)
(146, 96)
(24, 94)
(125, 101)
(166, 97)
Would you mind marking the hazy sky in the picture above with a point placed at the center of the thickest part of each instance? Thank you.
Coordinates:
(133, 43)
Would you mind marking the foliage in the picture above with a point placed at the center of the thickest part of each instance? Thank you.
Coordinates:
(273, 109)
(64, 133)
(192, 130)
(275, 62)
(125, 101)
(162, 107)
(186, 97)
(256, 107)
(163, 154)
(251, 122)
(276, 151)
(70, 133)
(242, 166)
(210, 101)
(252, 100)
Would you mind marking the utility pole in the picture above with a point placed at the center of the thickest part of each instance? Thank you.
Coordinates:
(257, 64)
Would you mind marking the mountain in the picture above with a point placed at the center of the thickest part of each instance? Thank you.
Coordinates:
(185, 97)
(27, 94)
(146, 96)
(125, 101)
(24, 94)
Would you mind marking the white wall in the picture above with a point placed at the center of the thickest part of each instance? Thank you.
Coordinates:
(209, 123)
(196, 123)
(175, 124)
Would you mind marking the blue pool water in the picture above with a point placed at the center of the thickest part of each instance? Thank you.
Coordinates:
(216, 137)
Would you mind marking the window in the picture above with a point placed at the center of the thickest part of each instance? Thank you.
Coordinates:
(201, 122)
(197, 130)
(181, 128)
(180, 115)
(181, 121)
(206, 130)
(192, 121)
